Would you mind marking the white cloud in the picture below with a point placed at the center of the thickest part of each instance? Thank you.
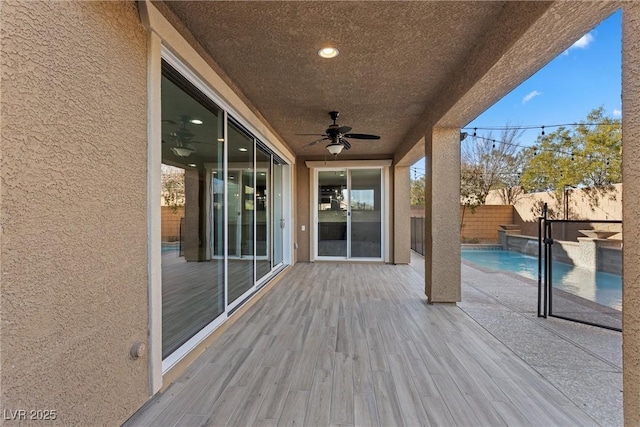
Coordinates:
(617, 112)
(528, 97)
(583, 41)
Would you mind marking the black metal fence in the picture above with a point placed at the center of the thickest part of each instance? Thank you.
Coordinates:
(580, 280)
(417, 235)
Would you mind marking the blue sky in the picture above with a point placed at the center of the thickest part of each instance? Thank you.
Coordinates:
(584, 77)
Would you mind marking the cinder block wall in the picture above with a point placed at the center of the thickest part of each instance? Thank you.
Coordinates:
(171, 223)
(482, 225)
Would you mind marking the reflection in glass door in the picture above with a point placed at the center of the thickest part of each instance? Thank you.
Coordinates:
(332, 214)
(278, 214)
(366, 213)
(240, 213)
(192, 216)
(263, 216)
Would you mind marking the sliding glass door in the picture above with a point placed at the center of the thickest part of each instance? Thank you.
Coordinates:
(349, 214)
(365, 203)
(263, 213)
(240, 212)
(278, 223)
(332, 214)
(222, 214)
(192, 217)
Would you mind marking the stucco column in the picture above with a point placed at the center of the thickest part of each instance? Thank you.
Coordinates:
(630, 202)
(442, 215)
(401, 214)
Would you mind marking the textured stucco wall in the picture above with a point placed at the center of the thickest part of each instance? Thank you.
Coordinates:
(302, 210)
(401, 207)
(442, 223)
(73, 210)
(630, 201)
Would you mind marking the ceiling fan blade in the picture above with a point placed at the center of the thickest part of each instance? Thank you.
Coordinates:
(347, 144)
(169, 121)
(361, 136)
(344, 129)
(310, 134)
(316, 141)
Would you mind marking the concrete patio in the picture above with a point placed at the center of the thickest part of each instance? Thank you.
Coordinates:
(356, 344)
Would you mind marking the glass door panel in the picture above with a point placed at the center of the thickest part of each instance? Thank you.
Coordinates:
(234, 186)
(192, 212)
(263, 214)
(278, 215)
(332, 214)
(366, 213)
(240, 205)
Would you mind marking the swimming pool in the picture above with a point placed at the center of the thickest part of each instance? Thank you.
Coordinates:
(603, 288)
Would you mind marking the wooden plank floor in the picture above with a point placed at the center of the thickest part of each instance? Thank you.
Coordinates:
(356, 344)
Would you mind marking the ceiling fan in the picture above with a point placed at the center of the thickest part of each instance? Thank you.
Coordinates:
(182, 137)
(337, 135)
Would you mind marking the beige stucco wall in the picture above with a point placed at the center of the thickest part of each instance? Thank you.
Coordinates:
(302, 212)
(630, 202)
(401, 209)
(73, 210)
(442, 223)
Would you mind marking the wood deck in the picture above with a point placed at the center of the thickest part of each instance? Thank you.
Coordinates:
(356, 344)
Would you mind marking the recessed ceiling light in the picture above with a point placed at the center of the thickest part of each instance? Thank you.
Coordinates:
(328, 52)
(193, 165)
(242, 149)
(196, 121)
(220, 139)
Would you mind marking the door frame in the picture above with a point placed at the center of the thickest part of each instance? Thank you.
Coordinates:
(337, 165)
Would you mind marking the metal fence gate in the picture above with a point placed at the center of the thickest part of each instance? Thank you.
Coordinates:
(417, 235)
(580, 281)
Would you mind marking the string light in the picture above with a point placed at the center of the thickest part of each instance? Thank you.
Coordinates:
(529, 127)
(536, 149)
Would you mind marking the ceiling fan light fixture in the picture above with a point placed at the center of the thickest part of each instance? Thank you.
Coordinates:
(335, 148)
(182, 151)
(328, 52)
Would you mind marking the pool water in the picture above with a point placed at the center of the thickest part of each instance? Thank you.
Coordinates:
(603, 288)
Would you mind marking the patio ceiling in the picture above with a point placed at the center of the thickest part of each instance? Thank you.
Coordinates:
(402, 67)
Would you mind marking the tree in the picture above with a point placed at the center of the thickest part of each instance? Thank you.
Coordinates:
(587, 156)
(492, 164)
(510, 188)
(172, 182)
(417, 192)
